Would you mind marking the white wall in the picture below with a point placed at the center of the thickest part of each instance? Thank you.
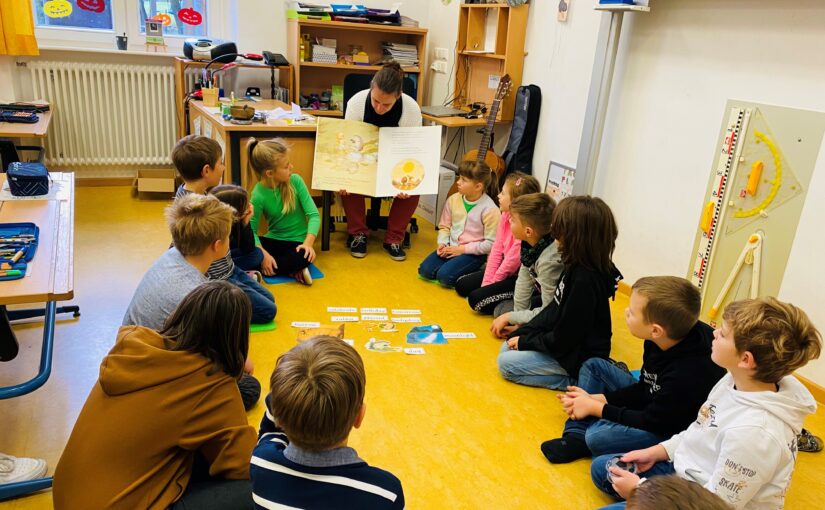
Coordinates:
(677, 67)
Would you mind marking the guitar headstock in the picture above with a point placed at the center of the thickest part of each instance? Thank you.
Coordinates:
(504, 86)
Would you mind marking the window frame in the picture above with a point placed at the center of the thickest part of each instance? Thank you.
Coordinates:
(125, 20)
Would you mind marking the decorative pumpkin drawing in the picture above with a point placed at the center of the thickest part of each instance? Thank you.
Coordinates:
(164, 18)
(92, 5)
(57, 8)
(190, 16)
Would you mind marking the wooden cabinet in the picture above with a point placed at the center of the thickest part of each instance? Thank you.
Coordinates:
(316, 77)
(490, 45)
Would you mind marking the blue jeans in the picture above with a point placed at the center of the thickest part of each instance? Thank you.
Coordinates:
(263, 304)
(249, 261)
(596, 376)
(598, 473)
(532, 368)
(447, 271)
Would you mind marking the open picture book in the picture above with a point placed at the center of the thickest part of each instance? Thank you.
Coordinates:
(377, 162)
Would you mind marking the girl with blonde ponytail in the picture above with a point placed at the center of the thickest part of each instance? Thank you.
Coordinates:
(284, 201)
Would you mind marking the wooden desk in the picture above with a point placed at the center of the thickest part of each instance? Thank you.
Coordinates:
(51, 274)
(21, 130)
(285, 80)
(233, 138)
(455, 122)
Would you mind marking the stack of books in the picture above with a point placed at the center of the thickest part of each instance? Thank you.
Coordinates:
(404, 54)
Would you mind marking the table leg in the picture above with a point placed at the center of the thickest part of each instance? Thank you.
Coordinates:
(45, 359)
(325, 219)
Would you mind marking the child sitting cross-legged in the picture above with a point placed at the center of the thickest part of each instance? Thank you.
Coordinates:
(742, 446)
(485, 289)
(302, 459)
(610, 410)
(467, 227)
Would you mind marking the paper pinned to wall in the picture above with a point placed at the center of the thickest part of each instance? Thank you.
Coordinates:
(559, 183)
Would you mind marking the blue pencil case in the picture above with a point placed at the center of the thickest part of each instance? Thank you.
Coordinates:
(14, 238)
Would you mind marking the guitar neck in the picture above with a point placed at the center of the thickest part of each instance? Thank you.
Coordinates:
(488, 130)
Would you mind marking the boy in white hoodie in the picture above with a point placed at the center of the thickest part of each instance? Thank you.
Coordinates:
(742, 446)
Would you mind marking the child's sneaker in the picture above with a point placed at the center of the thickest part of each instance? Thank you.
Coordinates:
(807, 442)
(306, 276)
(358, 246)
(255, 275)
(565, 449)
(303, 276)
(20, 469)
(395, 251)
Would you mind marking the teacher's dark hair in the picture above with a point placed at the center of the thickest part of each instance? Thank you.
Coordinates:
(390, 79)
(212, 320)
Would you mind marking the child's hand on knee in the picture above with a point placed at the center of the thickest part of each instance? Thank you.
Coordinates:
(623, 481)
(645, 459)
(268, 266)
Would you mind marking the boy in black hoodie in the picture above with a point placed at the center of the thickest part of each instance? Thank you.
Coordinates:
(610, 411)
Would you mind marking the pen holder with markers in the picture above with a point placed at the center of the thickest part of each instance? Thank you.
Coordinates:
(18, 243)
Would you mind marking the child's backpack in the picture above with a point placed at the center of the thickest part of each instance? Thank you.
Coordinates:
(518, 157)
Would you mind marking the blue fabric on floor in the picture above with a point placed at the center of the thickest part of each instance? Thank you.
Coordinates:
(274, 280)
(636, 373)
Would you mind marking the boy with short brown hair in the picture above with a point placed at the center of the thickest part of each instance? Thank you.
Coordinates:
(673, 493)
(199, 161)
(302, 459)
(610, 410)
(743, 445)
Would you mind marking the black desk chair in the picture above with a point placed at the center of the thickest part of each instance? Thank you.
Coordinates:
(354, 83)
(9, 153)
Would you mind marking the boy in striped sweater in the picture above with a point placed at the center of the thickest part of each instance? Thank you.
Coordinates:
(302, 459)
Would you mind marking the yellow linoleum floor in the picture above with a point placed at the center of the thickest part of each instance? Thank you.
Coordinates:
(454, 432)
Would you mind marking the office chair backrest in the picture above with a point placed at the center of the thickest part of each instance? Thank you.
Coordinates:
(356, 82)
(8, 154)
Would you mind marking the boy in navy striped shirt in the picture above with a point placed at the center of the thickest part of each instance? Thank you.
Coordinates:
(302, 459)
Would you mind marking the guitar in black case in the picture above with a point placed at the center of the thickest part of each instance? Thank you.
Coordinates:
(518, 157)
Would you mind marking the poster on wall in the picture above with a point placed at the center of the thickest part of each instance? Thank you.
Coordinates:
(559, 183)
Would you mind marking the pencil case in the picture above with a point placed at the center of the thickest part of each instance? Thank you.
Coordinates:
(28, 179)
(13, 238)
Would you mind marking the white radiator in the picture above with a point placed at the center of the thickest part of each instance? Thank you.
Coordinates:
(107, 114)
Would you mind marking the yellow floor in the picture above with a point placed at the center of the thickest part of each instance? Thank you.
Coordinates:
(454, 432)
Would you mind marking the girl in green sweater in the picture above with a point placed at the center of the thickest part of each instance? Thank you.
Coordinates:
(291, 216)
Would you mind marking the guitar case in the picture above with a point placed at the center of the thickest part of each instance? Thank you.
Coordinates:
(518, 157)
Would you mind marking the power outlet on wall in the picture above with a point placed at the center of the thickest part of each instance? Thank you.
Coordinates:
(441, 54)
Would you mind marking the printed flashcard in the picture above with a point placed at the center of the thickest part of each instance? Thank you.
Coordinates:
(384, 327)
(435, 337)
(375, 318)
(376, 345)
(344, 318)
(406, 319)
(305, 334)
(414, 350)
(342, 309)
(373, 310)
(300, 324)
(349, 341)
(465, 334)
(405, 311)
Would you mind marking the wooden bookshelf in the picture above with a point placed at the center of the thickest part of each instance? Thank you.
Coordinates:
(490, 43)
(316, 77)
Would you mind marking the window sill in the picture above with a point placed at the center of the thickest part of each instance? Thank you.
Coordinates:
(159, 53)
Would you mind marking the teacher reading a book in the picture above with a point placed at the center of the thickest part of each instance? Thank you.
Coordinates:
(382, 105)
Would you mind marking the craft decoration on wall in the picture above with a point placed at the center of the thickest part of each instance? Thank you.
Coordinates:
(57, 8)
(97, 6)
(765, 158)
(190, 16)
(154, 31)
(164, 19)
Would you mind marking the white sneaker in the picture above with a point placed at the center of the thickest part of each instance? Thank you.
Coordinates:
(307, 276)
(20, 469)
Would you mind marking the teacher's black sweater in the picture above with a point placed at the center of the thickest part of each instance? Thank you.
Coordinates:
(576, 325)
(673, 385)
